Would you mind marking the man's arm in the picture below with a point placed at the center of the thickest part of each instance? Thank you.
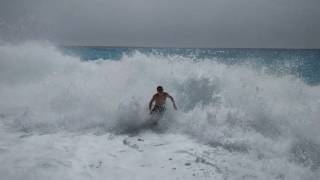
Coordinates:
(151, 101)
(174, 104)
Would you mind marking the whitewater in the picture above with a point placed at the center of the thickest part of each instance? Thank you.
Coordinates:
(62, 117)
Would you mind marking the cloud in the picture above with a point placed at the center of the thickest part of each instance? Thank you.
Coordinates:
(183, 23)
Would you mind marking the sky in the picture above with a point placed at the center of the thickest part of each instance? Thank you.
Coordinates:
(164, 23)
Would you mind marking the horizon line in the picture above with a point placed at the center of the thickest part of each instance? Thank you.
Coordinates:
(185, 47)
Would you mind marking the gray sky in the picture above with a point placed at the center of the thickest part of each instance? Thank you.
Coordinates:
(179, 23)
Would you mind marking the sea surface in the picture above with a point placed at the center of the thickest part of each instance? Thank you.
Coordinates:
(304, 63)
(82, 113)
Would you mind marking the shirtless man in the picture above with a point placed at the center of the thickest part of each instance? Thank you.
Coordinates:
(160, 101)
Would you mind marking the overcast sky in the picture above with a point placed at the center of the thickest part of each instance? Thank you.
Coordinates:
(178, 23)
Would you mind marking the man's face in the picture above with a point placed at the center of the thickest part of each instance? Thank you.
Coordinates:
(160, 89)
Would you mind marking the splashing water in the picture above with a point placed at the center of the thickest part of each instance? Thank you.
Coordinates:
(254, 123)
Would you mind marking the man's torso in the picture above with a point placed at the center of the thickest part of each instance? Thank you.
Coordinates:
(160, 99)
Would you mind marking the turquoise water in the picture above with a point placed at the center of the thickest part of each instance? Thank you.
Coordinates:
(304, 64)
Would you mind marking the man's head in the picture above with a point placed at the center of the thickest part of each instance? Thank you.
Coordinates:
(160, 89)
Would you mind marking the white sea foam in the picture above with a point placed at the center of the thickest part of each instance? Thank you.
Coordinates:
(266, 122)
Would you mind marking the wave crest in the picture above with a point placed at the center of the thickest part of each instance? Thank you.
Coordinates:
(235, 107)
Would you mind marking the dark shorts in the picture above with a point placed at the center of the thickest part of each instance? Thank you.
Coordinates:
(158, 109)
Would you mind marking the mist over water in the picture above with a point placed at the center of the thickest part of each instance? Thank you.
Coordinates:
(269, 120)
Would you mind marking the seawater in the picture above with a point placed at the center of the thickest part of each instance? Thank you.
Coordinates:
(261, 107)
(304, 63)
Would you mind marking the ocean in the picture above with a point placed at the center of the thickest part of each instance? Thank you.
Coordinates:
(79, 113)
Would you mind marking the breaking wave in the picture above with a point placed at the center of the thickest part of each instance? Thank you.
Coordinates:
(235, 107)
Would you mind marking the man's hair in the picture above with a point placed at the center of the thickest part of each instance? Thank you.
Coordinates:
(159, 88)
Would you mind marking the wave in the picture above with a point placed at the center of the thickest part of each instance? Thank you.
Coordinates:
(235, 107)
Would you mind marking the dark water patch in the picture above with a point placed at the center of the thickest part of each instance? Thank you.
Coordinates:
(202, 91)
(231, 147)
(307, 153)
(266, 127)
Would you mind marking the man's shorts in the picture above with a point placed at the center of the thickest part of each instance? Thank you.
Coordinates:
(158, 109)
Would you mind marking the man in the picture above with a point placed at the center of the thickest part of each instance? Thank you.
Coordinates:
(160, 101)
